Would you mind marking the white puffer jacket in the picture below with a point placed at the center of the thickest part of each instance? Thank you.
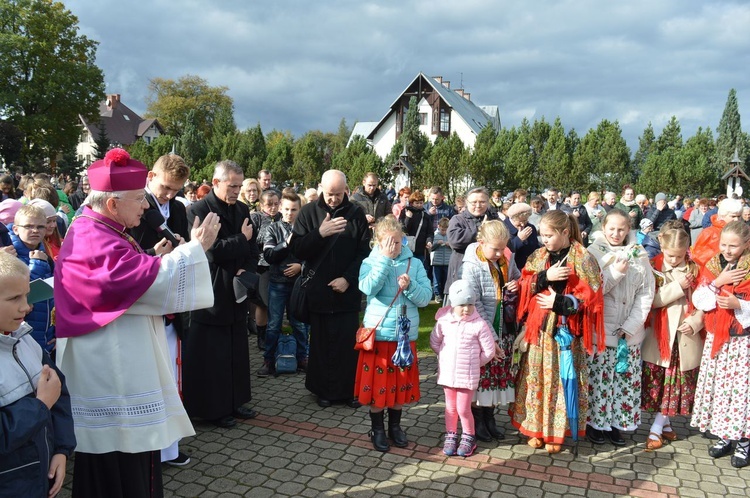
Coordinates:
(627, 296)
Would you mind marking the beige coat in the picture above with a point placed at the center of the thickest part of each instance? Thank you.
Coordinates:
(672, 296)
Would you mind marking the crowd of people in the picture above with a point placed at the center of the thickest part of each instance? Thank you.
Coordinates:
(574, 313)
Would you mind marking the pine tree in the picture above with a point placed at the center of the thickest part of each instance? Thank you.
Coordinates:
(729, 134)
(447, 165)
(481, 164)
(645, 148)
(101, 142)
(696, 172)
(555, 161)
(191, 145)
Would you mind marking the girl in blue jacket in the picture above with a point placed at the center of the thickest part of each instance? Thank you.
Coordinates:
(390, 274)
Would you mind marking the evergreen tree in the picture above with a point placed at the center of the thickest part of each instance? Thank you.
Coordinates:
(358, 159)
(279, 159)
(447, 166)
(251, 151)
(519, 162)
(670, 137)
(11, 143)
(191, 145)
(223, 127)
(645, 147)
(101, 142)
(555, 161)
(481, 163)
(506, 137)
(729, 134)
(613, 161)
(696, 173)
(308, 158)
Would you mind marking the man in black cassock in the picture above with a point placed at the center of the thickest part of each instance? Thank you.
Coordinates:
(216, 364)
(334, 295)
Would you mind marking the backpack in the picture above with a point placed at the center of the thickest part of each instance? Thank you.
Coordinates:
(286, 354)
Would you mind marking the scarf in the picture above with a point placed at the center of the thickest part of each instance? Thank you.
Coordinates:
(499, 275)
(719, 320)
(100, 272)
(585, 283)
(658, 316)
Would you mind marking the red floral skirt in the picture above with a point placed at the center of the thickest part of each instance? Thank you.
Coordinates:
(380, 383)
(668, 390)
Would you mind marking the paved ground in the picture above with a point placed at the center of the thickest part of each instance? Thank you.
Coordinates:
(295, 448)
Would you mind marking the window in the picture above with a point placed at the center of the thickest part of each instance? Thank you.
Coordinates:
(422, 118)
(148, 140)
(435, 121)
(445, 120)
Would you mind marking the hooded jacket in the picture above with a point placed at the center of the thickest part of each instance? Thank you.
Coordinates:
(31, 433)
(462, 346)
(378, 280)
(627, 296)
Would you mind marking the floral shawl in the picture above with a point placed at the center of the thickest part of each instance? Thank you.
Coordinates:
(585, 283)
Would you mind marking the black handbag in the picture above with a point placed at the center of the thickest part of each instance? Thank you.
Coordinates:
(299, 307)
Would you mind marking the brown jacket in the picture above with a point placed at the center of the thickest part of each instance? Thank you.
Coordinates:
(672, 296)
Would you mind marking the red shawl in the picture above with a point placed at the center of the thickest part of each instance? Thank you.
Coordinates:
(719, 320)
(585, 283)
(658, 316)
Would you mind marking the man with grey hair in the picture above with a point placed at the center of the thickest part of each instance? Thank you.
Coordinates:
(332, 235)
(216, 365)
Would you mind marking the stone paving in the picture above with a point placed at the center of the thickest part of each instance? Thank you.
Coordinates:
(295, 448)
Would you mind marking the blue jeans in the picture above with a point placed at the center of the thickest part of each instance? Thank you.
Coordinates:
(278, 302)
(439, 277)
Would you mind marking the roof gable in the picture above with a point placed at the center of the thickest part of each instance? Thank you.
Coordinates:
(122, 125)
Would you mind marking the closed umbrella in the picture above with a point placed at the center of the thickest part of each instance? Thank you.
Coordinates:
(568, 375)
(403, 356)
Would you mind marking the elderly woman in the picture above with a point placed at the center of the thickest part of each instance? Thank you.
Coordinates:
(250, 193)
(524, 239)
(596, 213)
(463, 228)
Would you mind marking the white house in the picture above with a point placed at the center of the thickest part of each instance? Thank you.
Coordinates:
(442, 112)
(122, 125)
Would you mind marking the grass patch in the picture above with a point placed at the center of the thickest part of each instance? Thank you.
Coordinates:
(426, 324)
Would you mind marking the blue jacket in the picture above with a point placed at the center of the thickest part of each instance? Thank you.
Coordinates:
(378, 281)
(30, 434)
(40, 317)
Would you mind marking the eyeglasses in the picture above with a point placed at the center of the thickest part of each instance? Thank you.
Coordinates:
(37, 228)
(138, 199)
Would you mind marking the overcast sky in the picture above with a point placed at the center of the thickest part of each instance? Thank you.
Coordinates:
(303, 65)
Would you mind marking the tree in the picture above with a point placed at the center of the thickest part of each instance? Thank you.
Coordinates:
(519, 162)
(251, 151)
(506, 137)
(447, 166)
(48, 76)
(308, 158)
(279, 159)
(101, 143)
(645, 148)
(613, 165)
(223, 127)
(191, 145)
(729, 134)
(69, 163)
(11, 143)
(170, 101)
(356, 160)
(555, 161)
(696, 171)
(481, 164)
(417, 144)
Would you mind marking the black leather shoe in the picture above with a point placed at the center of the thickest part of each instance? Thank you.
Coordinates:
(720, 449)
(496, 432)
(353, 403)
(614, 437)
(225, 422)
(740, 458)
(324, 403)
(594, 435)
(245, 413)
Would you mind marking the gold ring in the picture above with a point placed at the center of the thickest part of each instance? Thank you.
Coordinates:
(216, 226)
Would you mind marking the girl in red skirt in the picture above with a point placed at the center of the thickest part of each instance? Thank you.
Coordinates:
(395, 283)
(672, 349)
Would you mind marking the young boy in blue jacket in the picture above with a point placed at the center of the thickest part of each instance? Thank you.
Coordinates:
(28, 231)
(36, 425)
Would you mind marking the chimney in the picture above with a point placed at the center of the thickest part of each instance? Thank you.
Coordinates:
(447, 84)
(439, 79)
(460, 91)
(112, 100)
(467, 96)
